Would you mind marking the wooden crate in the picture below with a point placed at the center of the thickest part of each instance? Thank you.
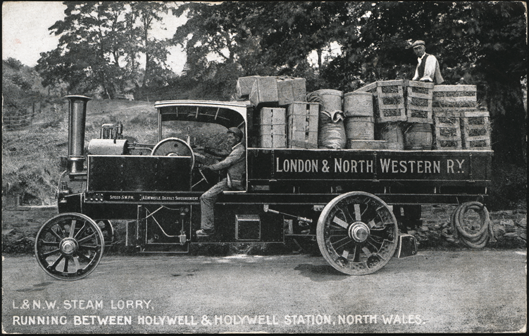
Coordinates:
(451, 97)
(264, 90)
(390, 98)
(302, 121)
(291, 90)
(476, 130)
(271, 90)
(419, 102)
(244, 86)
(447, 130)
(273, 127)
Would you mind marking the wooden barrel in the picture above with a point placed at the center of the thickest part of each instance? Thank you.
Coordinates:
(358, 104)
(360, 128)
(367, 144)
(393, 133)
(331, 100)
(419, 136)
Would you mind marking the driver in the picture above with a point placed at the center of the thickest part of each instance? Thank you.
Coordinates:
(235, 163)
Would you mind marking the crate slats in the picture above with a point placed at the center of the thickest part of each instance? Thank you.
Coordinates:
(273, 127)
(419, 102)
(447, 130)
(476, 130)
(302, 120)
(390, 98)
(454, 96)
(452, 88)
(371, 87)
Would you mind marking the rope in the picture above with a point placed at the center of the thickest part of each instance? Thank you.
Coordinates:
(474, 239)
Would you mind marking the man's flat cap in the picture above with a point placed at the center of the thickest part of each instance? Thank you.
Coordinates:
(236, 131)
(417, 43)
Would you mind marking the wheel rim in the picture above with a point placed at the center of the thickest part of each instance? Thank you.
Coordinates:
(69, 246)
(174, 147)
(357, 233)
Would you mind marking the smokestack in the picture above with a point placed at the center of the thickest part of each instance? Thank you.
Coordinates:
(76, 132)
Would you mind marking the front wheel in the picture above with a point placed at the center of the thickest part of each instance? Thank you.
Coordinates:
(357, 233)
(69, 246)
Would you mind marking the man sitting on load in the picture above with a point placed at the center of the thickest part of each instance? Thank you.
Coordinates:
(235, 163)
(428, 67)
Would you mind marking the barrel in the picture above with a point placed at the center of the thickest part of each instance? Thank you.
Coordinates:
(358, 104)
(392, 132)
(360, 128)
(331, 100)
(367, 144)
(419, 136)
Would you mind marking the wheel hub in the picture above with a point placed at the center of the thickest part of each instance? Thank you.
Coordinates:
(68, 246)
(359, 232)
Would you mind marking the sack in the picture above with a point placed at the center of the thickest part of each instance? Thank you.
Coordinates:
(331, 132)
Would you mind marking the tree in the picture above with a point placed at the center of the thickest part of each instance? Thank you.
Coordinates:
(155, 51)
(100, 46)
(264, 38)
(482, 42)
(21, 87)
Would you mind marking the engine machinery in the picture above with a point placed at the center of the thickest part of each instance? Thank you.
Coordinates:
(349, 201)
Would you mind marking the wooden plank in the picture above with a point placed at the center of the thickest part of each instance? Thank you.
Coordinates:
(476, 114)
(477, 144)
(368, 87)
(428, 85)
(273, 116)
(449, 88)
(397, 82)
(448, 144)
(381, 118)
(456, 99)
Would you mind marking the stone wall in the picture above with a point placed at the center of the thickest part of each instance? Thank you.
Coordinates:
(20, 225)
(509, 227)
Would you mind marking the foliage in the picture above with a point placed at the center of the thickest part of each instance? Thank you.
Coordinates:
(100, 46)
(482, 43)
(21, 87)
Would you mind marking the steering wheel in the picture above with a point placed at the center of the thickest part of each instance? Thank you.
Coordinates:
(174, 147)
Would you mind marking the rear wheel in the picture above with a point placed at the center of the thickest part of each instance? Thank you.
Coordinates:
(357, 233)
(69, 246)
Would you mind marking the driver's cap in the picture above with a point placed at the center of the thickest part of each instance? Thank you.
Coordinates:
(236, 131)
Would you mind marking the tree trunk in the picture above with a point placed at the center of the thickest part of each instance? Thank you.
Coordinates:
(509, 133)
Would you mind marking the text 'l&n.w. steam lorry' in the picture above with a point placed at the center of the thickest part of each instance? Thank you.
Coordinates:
(349, 200)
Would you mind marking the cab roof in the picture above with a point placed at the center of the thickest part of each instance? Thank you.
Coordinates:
(226, 113)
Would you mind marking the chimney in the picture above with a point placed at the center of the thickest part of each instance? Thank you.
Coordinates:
(76, 132)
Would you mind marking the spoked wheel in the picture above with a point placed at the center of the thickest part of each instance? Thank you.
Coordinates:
(69, 246)
(357, 233)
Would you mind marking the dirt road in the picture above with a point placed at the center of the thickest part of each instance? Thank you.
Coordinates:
(434, 291)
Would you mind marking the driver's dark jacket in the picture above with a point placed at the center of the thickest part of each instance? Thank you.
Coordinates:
(235, 163)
